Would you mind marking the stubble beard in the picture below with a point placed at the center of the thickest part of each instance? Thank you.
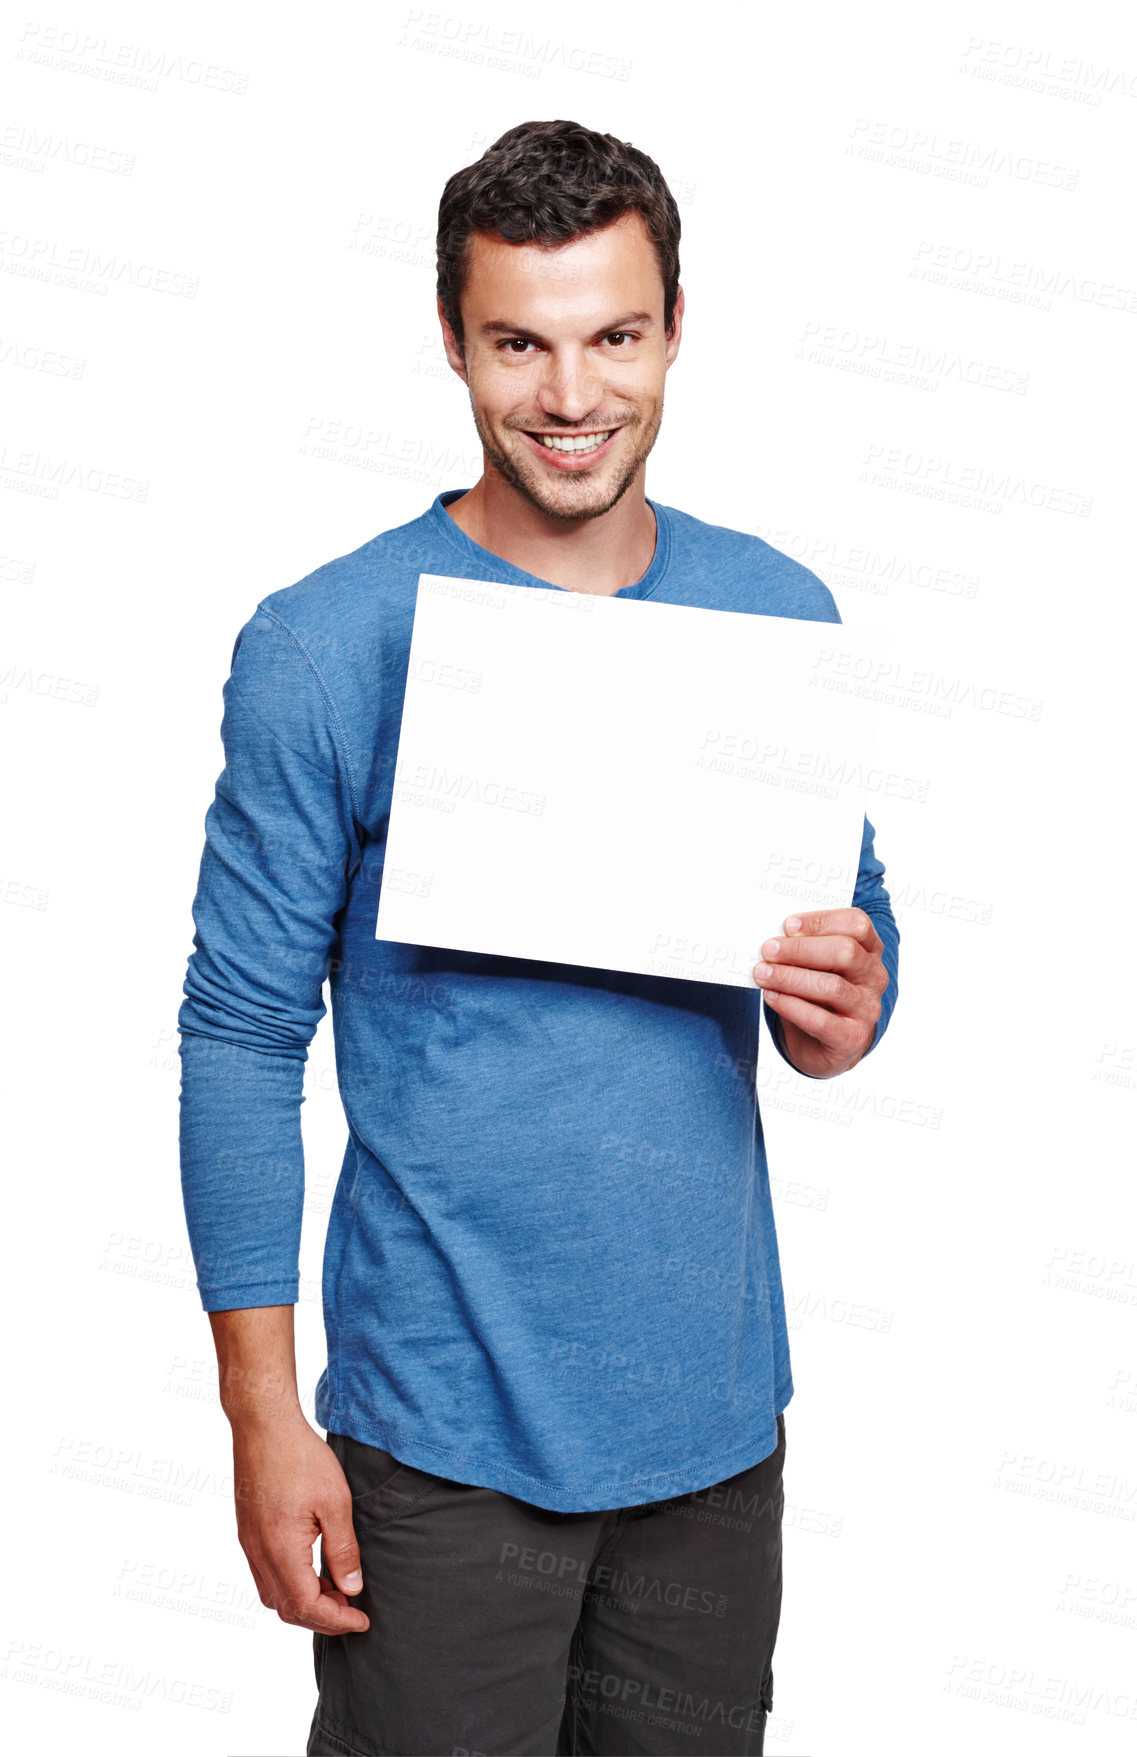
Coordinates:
(575, 504)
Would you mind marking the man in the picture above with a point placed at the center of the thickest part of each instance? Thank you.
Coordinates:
(549, 1504)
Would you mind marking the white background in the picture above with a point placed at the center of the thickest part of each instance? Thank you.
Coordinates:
(255, 251)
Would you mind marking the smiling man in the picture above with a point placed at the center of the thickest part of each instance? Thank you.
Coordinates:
(549, 1502)
(567, 413)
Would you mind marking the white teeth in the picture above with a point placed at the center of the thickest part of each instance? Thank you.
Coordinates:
(586, 442)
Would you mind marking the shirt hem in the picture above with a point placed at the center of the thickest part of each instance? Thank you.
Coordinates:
(680, 1479)
(257, 1293)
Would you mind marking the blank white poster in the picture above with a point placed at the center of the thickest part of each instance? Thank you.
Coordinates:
(620, 783)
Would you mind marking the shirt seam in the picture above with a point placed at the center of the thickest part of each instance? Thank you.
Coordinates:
(663, 534)
(212, 1287)
(339, 736)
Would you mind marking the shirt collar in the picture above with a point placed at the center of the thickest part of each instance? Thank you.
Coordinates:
(493, 567)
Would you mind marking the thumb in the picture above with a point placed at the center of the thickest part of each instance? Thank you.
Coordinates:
(339, 1548)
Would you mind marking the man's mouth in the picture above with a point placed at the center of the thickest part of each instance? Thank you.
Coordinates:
(572, 451)
(574, 441)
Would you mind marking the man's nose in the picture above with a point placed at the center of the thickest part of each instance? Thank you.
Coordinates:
(572, 385)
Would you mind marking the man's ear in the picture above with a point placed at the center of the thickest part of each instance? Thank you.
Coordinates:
(450, 343)
(674, 334)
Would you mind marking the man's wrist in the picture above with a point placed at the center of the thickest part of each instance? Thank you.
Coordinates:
(256, 1366)
(249, 1411)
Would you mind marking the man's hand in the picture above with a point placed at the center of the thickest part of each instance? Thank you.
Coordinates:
(824, 979)
(290, 1488)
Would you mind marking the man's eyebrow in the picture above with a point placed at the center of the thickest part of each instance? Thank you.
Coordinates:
(497, 326)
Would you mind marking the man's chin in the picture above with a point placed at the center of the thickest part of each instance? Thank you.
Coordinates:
(578, 504)
(579, 496)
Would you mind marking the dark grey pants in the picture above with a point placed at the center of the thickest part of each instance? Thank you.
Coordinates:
(500, 1629)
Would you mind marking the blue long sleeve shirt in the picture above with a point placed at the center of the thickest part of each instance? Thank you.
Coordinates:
(551, 1265)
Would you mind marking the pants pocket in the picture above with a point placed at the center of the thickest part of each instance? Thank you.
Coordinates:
(383, 1488)
(322, 1742)
(368, 1468)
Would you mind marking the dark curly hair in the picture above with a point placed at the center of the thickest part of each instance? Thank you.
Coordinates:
(547, 183)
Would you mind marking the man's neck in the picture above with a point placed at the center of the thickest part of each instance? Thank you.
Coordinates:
(600, 555)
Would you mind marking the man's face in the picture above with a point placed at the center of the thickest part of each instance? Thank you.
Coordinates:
(566, 345)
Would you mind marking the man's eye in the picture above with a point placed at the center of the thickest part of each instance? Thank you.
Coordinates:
(516, 343)
(619, 335)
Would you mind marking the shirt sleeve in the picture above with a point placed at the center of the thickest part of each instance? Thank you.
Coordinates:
(279, 838)
(869, 894)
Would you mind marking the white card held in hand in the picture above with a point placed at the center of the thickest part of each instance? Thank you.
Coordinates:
(624, 784)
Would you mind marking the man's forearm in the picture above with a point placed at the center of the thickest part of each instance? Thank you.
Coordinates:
(256, 1365)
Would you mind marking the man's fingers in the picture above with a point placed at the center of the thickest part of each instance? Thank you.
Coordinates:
(856, 923)
(833, 1030)
(838, 952)
(821, 987)
(340, 1549)
(302, 1598)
